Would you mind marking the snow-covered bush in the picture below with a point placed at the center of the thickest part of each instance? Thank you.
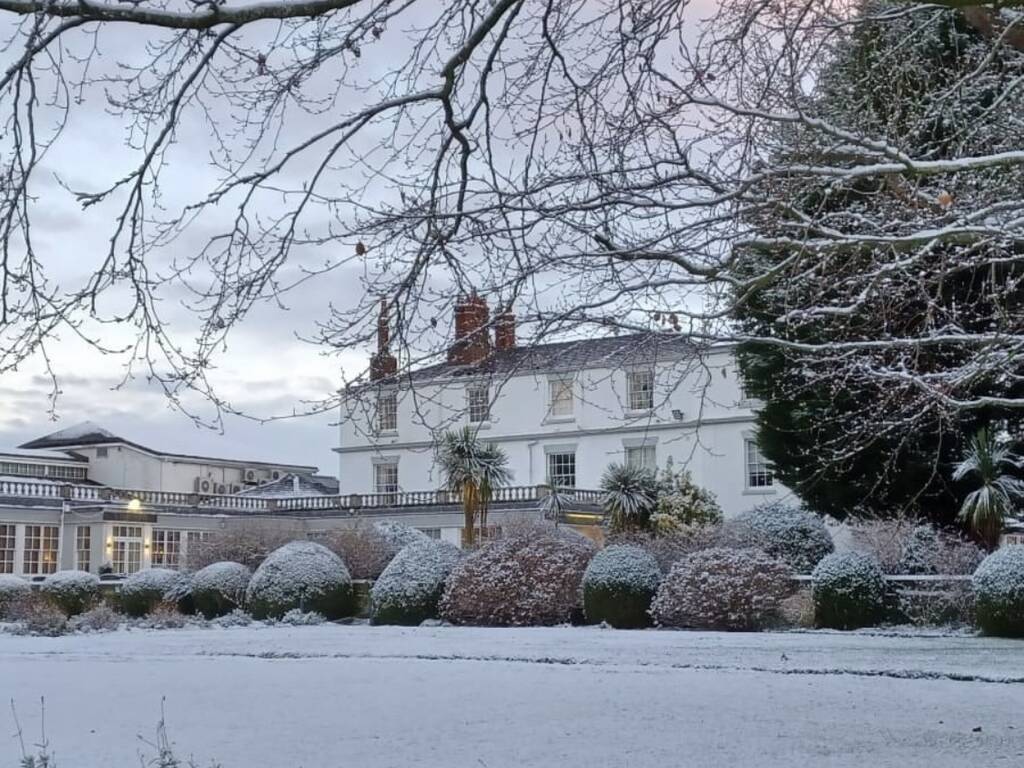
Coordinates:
(179, 594)
(849, 591)
(39, 616)
(219, 588)
(723, 588)
(409, 589)
(790, 533)
(303, 575)
(143, 591)
(14, 591)
(618, 586)
(237, 618)
(672, 546)
(999, 592)
(297, 618)
(166, 616)
(248, 543)
(102, 618)
(928, 551)
(71, 591)
(681, 502)
(530, 578)
(367, 549)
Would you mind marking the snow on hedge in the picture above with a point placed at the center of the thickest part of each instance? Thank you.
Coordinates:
(13, 590)
(144, 590)
(999, 592)
(399, 535)
(723, 588)
(618, 585)
(848, 590)
(787, 532)
(71, 591)
(303, 575)
(409, 589)
(219, 588)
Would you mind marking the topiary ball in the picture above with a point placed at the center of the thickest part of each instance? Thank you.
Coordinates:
(73, 592)
(219, 588)
(999, 592)
(145, 590)
(409, 589)
(618, 586)
(14, 591)
(303, 575)
(848, 589)
(792, 534)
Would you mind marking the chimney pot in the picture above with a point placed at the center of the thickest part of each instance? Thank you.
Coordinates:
(472, 340)
(505, 329)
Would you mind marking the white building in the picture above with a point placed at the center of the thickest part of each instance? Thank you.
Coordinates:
(562, 412)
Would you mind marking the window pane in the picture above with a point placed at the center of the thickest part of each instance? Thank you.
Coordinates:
(387, 412)
(40, 549)
(166, 549)
(385, 478)
(562, 469)
(759, 474)
(479, 397)
(640, 390)
(7, 548)
(126, 549)
(83, 547)
(641, 456)
(561, 397)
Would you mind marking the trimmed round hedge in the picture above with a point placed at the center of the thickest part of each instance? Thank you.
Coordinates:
(219, 588)
(725, 589)
(145, 590)
(14, 591)
(849, 590)
(303, 575)
(408, 591)
(73, 592)
(618, 586)
(999, 592)
(789, 533)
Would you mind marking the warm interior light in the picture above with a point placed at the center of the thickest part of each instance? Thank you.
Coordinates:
(134, 505)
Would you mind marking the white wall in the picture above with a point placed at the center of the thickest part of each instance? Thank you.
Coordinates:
(709, 438)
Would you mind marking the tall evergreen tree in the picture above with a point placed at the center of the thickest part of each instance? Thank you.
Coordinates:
(850, 441)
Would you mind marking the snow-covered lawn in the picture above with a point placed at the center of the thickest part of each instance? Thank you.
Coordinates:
(367, 697)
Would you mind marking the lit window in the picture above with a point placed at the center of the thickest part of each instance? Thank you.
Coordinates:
(560, 391)
(7, 548)
(479, 400)
(641, 457)
(40, 549)
(166, 549)
(126, 549)
(83, 547)
(385, 478)
(640, 390)
(562, 470)
(387, 412)
(759, 474)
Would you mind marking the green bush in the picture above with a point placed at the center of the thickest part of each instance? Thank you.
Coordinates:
(409, 589)
(219, 588)
(849, 591)
(999, 592)
(14, 592)
(142, 592)
(790, 533)
(618, 586)
(73, 592)
(303, 575)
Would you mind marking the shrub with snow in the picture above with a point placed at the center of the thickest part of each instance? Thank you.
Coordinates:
(618, 586)
(530, 578)
(303, 575)
(245, 542)
(237, 618)
(39, 616)
(849, 591)
(297, 618)
(219, 588)
(723, 588)
(681, 502)
(143, 591)
(367, 549)
(999, 592)
(409, 589)
(14, 591)
(928, 551)
(790, 533)
(71, 591)
(102, 618)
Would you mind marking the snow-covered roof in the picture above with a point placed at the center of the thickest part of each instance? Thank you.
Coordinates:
(294, 485)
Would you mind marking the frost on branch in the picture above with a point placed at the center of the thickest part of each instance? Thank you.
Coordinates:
(999, 592)
(409, 589)
(303, 575)
(618, 586)
(792, 534)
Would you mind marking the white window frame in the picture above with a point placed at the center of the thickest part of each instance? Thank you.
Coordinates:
(478, 408)
(83, 547)
(166, 550)
(40, 541)
(126, 546)
(758, 475)
(557, 474)
(8, 547)
(561, 398)
(643, 456)
(381, 484)
(386, 416)
(640, 390)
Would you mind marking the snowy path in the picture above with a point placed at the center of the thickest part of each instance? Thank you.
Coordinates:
(362, 697)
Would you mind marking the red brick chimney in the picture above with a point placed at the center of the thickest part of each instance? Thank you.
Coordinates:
(505, 329)
(383, 364)
(472, 339)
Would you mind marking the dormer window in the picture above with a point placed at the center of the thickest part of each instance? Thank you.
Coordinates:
(640, 390)
(478, 401)
(387, 412)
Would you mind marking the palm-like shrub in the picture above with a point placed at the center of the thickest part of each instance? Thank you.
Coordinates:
(303, 575)
(618, 586)
(73, 592)
(629, 496)
(408, 591)
(848, 590)
(990, 462)
(473, 469)
(790, 533)
(999, 592)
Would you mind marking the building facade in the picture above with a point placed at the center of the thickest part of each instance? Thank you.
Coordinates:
(561, 412)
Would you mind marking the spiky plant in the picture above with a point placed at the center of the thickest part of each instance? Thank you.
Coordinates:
(630, 496)
(473, 469)
(991, 462)
(556, 503)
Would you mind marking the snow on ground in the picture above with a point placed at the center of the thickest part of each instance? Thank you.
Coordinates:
(369, 697)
